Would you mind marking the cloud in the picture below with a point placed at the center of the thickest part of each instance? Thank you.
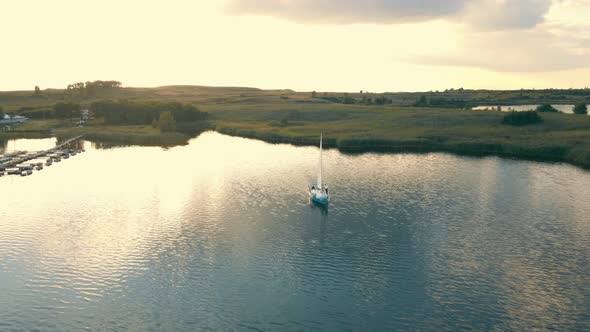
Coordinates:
(559, 42)
(349, 11)
(485, 14)
(507, 14)
(535, 50)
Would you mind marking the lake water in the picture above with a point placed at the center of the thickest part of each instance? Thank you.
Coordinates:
(220, 235)
(568, 109)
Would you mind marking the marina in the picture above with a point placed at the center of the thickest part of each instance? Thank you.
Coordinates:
(23, 163)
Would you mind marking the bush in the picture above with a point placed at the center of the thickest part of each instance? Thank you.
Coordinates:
(66, 110)
(521, 118)
(38, 113)
(421, 102)
(581, 109)
(547, 108)
(167, 122)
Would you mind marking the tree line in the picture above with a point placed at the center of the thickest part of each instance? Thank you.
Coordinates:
(60, 110)
(92, 88)
(440, 102)
(95, 85)
(123, 112)
(347, 99)
(164, 115)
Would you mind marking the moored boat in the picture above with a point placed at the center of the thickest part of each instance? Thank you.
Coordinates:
(24, 167)
(13, 170)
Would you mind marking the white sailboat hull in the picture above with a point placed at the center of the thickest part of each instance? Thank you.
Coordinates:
(318, 192)
(319, 196)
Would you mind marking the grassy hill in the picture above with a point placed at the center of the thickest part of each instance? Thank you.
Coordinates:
(13, 100)
(296, 117)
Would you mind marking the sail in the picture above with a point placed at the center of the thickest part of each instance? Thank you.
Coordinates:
(320, 182)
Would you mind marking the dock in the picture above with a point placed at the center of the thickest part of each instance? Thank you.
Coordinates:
(18, 159)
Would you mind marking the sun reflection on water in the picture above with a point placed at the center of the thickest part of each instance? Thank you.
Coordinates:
(222, 231)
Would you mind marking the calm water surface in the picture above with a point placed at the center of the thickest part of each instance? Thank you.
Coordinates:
(220, 235)
(568, 109)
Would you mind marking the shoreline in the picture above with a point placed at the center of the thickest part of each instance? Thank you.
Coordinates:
(546, 154)
(541, 153)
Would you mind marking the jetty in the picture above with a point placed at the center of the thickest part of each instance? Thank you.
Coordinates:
(25, 162)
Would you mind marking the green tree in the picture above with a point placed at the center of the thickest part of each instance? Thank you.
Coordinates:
(37, 91)
(65, 110)
(347, 99)
(547, 108)
(167, 122)
(581, 109)
(422, 101)
(314, 94)
(521, 118)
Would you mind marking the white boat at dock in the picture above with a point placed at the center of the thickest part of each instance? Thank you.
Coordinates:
(25, 167)
(26, 173)
(24, 162)
(13, 171)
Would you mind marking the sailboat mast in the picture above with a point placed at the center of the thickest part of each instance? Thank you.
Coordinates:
(320, 170)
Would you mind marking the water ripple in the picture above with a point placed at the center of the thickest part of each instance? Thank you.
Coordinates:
(219, 235)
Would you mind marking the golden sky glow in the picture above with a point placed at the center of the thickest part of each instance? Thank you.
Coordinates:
(271, 44)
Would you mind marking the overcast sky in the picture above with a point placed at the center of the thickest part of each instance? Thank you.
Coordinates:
(323, 45)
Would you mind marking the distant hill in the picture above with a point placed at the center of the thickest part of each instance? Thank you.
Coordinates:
(13, 100)
(207, 95)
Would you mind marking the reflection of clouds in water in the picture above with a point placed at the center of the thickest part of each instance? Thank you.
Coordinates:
(533, 248)
(222, 229)
(545, 293)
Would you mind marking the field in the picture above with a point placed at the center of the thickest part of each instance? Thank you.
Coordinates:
(287, 116)
(359, 128)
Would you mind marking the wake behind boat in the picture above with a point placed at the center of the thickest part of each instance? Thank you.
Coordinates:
(318, 192)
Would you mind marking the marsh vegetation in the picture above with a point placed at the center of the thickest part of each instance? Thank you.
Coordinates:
(354, 122)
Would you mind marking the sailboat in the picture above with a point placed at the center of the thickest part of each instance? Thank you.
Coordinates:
(318, 192)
